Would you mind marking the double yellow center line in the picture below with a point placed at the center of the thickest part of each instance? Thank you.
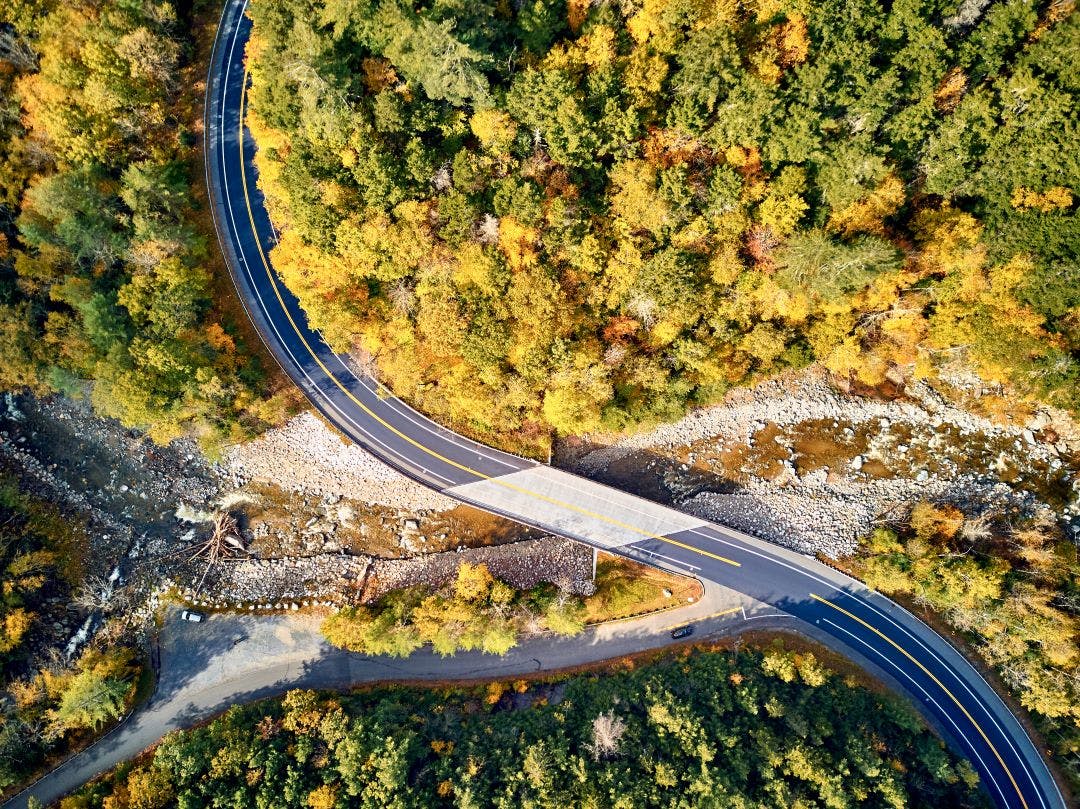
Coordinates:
(407, 438)
(553, 501)
(938, 682)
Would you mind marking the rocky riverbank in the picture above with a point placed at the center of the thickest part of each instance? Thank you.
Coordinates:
(305, 456)
(799, 462)
(316, 514)
(793, 460)
(334, 579)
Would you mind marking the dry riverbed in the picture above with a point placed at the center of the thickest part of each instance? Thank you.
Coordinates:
(324, 521)
(793, 460)
(798, 462)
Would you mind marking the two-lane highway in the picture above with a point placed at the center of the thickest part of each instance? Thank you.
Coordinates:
(950, 691)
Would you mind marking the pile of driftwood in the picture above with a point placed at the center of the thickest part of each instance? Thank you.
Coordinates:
(224, 543)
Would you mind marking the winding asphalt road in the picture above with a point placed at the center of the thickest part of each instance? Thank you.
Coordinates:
(829, 605)
(234, 659)
(942, 683)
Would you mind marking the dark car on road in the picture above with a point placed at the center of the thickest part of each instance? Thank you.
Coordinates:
(682, 632)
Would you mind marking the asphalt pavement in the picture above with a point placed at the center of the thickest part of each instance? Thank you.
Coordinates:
(232, 659)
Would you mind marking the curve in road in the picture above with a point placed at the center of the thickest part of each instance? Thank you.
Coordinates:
(943, 683)
(233, 659)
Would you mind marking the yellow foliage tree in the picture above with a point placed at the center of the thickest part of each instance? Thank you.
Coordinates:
(935, 522)
(16, 623)
(332, 300)
(495, 129)
(644, 76)
(474, 266)
(636, 203)
(765, 342)
(1052, 199)
(573, 401)
(793, 40)
(868, 214)
(518, 243)
(473, 582)
(324, 797)
(949, 242)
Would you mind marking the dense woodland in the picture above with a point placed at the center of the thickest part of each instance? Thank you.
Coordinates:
(103, 266)
(47, 700)
(1012, 587)
(553, 216)
(711, 729)
(579, 215)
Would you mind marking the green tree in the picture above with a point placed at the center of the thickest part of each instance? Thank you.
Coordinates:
(428, 53)
(830, 268)
(88, 701)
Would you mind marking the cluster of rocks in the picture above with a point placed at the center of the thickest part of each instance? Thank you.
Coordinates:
(276, 584)
(411, 538)
(807, 396)
(118, 486)
(109, 531)
(334, 579)
(886, 455)
(306, 456)
(523, 565)
(815, 516)
(118, 468)
(115, 478)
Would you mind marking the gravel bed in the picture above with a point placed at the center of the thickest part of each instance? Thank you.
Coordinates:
(277, 584)
(963, 458)
(337, 579)
(804, 396)
(524, 565)
(818, 517)
(306, 456)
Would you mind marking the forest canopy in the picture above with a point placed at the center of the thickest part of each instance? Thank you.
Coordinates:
(772, 729)
(50, 703)
(580, 216)
(106, 283)
(1011, 587)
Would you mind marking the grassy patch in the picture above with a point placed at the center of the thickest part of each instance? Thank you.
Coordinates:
(625, 588)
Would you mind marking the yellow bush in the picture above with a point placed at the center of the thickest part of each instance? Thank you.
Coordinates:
(494, 692)
(324, 797)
